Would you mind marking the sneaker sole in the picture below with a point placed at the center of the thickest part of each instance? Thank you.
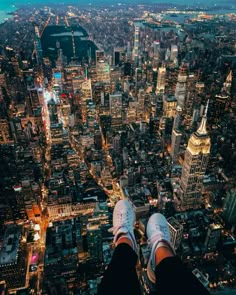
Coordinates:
(150, 273)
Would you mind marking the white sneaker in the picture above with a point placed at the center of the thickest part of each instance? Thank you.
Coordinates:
(123, 222)
(158, 234)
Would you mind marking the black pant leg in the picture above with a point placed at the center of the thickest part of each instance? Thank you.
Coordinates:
(120, 277)
(172, 277)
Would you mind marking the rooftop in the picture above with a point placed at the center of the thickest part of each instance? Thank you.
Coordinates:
(174, 223)
(10, 245)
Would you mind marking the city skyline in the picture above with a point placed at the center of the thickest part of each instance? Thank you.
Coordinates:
(106, 103)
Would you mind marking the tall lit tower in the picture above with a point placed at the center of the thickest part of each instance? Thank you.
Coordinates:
(103, 72)
(190, 100)
(156, 53)
(115, 102)
(176, 136)
(194, 167)
(135, 55)
(161, 80)
(180, 90)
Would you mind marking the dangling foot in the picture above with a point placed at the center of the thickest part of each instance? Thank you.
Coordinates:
(123, 223)
(158, 234)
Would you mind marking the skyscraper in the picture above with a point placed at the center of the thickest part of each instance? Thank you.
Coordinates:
(103, 72)
(190, 99)
(213, 236)
(135, 55)
(117, 56)
(176, 231)
(94, 237)
(176, 136)
(173, 52)
(194, 167)
(161, 80)
(230, 207)
(169, 106)
(116, 143)
(180, 90)
(116, 108)
(156, 53)
(13, 257)
(141, 105)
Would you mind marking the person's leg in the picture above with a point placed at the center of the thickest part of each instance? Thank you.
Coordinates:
(172, 277)
(164, 268)
(120, 277)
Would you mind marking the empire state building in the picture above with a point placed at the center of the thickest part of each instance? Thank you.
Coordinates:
(194, 167)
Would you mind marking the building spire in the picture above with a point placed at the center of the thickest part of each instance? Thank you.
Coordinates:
(202, 128)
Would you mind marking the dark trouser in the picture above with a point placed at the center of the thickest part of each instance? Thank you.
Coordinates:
(172, 277)
(120, 278)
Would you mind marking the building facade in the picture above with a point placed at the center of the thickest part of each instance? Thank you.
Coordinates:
(194, 168)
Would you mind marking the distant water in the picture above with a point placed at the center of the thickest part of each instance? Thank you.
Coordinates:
(7, 6)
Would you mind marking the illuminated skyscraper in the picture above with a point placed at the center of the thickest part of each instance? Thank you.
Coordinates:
(173, 52)
(190, 100)
(169, 106)
(94, 237)
(140, 105)
(156, 53)
(135, 55)
(90, 114)
(194, 167)
(86, 90)
(116, 108)
(180, 90)
(176, 136)
(131, 112)
(116, 143)
(103, 72)
(161, 80)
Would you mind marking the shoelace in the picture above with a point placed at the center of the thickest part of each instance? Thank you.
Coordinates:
(153, 239)
(162, 231)
(123, 221)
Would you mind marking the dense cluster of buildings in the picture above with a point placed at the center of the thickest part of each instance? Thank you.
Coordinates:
(150, 118)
